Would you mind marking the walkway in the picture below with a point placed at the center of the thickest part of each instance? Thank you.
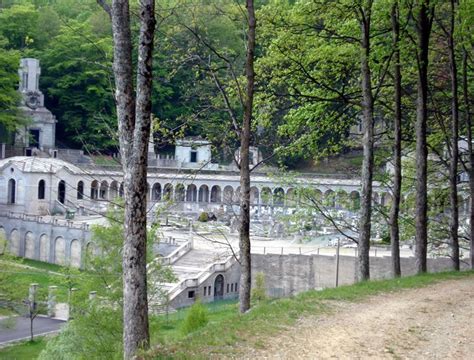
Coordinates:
(18, 328)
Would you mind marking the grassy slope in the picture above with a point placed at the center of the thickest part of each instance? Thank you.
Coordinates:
(227, 330)
(24, 351)
(22, 273)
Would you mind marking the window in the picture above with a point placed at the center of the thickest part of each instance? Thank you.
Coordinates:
(236, 287)
(191, 294)
(62, 191)
(205, 289)
(11, 191)
(41, 189)
(194, 156)
(80, 190)
(227, 287)
(209, 290)
(232, 287)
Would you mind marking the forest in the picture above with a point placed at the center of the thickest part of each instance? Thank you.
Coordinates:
(389, 80)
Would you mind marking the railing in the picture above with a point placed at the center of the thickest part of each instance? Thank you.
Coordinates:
(45, 220)
(176, 254)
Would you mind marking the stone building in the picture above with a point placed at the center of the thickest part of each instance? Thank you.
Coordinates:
(40, 134)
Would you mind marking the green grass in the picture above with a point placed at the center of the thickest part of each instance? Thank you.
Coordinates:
(227, 330)
(41, 265)
(23, 351)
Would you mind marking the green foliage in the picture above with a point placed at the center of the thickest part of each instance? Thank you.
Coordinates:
(259, 290)
(10, 118)
(24, 350)
(77, 82)
(228, 329)
(196, 318)
(96, 330)
(203, 217)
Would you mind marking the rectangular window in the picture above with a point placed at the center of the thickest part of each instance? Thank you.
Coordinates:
(227, 287)
(191, 294)
(205, 289)
(194, 156)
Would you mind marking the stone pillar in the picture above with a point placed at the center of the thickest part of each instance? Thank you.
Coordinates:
(32, 297)
(70, 300)
(191, 237)
(52, 300)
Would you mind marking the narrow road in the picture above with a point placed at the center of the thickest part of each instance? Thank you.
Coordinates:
(434, 322)
(18, 328)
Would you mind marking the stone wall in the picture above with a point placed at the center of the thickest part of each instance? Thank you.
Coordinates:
(287, 275)
(39, 238)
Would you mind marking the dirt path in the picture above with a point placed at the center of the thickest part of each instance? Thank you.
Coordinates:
(435, 322)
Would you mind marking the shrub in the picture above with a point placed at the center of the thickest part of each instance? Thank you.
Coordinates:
(196, 318)
(203, 217)
(259, 291)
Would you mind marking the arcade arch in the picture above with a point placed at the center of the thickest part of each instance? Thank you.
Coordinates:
(215, 194)
(29, 245)
(15, 242)
(191, 193)
(75, 253)
(44, 248)
(60, 251)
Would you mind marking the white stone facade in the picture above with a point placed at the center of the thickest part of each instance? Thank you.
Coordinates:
(41, 132)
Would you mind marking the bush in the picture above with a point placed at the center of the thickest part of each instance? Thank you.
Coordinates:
(203, 217)
(259, 291)
(197, 317)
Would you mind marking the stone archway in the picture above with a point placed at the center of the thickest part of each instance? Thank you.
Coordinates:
(44, 248)
(228, 195)
(219, 287)
(216, 194)
(3, 240)
(15, 242)
(60, 251)
(29, 245)
(75, 253)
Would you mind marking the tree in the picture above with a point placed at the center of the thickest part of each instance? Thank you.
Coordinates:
(10, 117)
(397, 146)
(244, 231)
(423, 28)
(78, 86)
(134, 119)
(365, 18)
(453, 168)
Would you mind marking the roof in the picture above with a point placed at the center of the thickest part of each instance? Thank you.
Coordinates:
(192, 140)
(33, 164)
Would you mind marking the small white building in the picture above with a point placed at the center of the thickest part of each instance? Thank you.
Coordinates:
(191, 151)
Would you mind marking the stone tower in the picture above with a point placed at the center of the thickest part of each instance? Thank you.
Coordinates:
(41, 132)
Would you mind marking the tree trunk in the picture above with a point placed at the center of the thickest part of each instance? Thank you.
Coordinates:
(245, 258)
(453, 168)
(134, 115)
(397, 147)
(31, 327)
(368, 146)
(421, 205)
(470, 150)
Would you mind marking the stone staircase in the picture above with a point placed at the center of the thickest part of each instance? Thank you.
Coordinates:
(192, 266)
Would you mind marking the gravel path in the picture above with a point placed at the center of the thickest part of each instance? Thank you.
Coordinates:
(434, 322)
